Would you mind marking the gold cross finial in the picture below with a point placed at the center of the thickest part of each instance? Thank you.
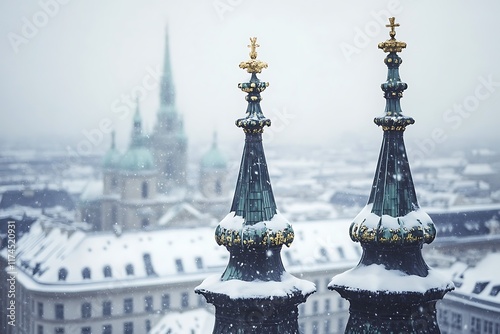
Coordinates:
(253, 65)
(392, 45)
(253, 45)
(392, 25)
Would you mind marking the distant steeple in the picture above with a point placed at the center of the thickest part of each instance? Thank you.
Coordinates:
(112, 157)
(169, 141)
(167, 97)
(137, 137)
(392, 290)
(254, 233)
(138, 157)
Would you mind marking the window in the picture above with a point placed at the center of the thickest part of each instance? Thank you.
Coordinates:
(327, 305)
(165, 302)
(444, 317)
(144, 223)
(107, 329)
(39, 306)
(86, 273)
(315, 307)
(128, 328)
(107, 271)
(106, 308)
(148, 325)
(148, 303)
(86, 330)
(59, 310)
(475, 325)
(456, 320)
(129, 269)
(184, 300)
(128, 305)
(199, 262)
(479, 287)
(144, 190)
(179, 266)
(86, 310)
(327, 326)
(63, 273)
(487, 327)
(495, 290)
(59, 330)
(148, 265)
(39, 329)
(341, 325)
(315, 327)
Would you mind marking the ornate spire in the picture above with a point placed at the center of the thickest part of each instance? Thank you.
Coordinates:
(254, 233)
(136, 139)
(167, 97)
(392, 289)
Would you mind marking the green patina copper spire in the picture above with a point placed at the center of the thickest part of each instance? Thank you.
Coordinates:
(254, 233)
(392, 290)
(253, 198)
(393, 192)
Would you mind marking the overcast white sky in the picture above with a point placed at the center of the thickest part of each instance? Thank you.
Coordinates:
(64, 77)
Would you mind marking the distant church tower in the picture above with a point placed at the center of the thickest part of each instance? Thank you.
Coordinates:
(130, 186)
(169, 141)
(213, 173)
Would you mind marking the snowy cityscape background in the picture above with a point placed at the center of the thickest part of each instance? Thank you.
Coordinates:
(74, 72)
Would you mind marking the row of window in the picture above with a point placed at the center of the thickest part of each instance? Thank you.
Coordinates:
(477, 325)
(128, 306)
(129, 268)
(144, 187)
(128, 328)
(327, 306)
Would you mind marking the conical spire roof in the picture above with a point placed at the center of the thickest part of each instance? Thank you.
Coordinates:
(138, 157)
(167, 90)
(112, 157)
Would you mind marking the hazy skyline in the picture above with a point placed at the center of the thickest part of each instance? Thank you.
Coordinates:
(66, 74)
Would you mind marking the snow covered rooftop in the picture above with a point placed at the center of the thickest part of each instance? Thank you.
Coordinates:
(61, 258)
(480, 283)
(199, 321)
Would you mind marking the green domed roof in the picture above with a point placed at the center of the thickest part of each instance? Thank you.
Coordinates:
(214, 157)
(111, 159)
(137, 159)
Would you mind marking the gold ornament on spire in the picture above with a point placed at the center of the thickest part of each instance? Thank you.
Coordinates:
(253, 65)
(392, 45)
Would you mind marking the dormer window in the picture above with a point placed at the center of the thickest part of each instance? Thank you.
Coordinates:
(86, 273)
(129, 269)
(107, 271)
(63, 274)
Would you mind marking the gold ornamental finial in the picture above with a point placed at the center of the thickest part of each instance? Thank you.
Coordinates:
(253, 65)
(392, 25)
(392, 45)
(253, 45)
